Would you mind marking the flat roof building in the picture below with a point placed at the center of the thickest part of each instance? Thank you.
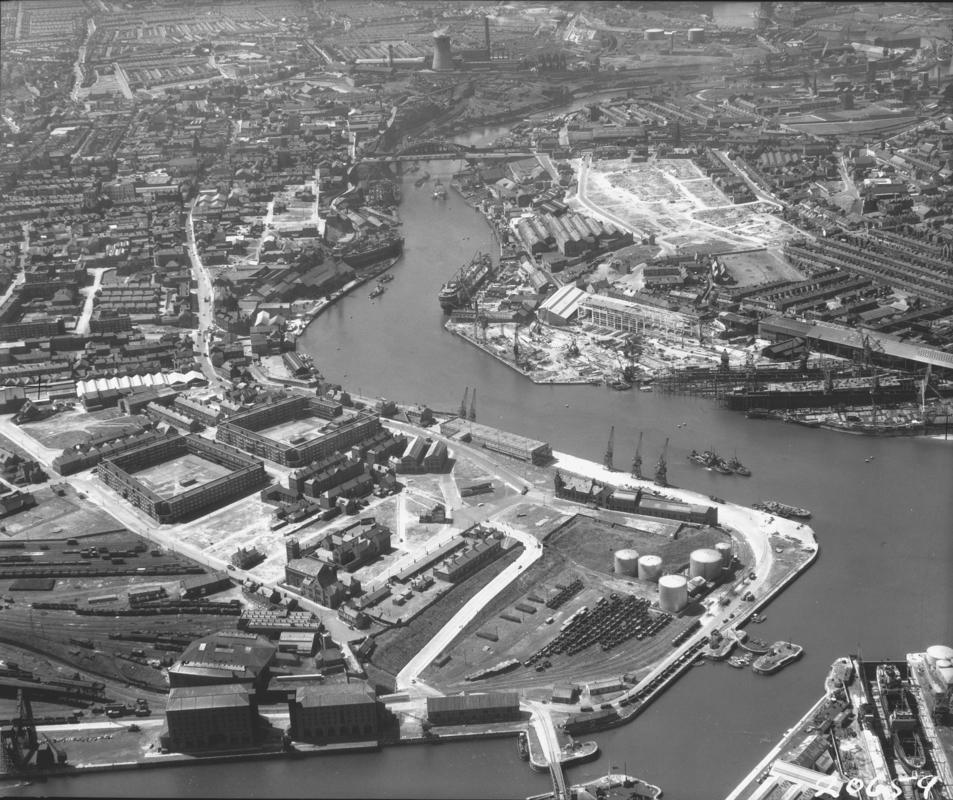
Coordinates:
(210, 718)
(467, 709)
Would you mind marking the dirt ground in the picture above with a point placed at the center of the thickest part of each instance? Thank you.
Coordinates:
(759, 266)
(57, 517)
(75, 426)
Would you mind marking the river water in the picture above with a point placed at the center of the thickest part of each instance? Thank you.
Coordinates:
(881, 585)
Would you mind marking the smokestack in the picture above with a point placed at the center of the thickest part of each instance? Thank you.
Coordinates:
(390, 56)
(486, 35)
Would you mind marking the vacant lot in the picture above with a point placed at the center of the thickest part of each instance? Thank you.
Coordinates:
(74, 427)
(397, 646)
(759, 266)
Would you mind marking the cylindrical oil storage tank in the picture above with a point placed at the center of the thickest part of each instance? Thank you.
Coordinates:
(939, 652)
(944, 669)
(724, 548)
(696, 35)
(654, 34)
(705, 563)
(626, 562)
(672, 593)
(650, 568)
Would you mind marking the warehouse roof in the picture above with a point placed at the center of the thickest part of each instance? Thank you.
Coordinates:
(196, 698)
(472, 702)
(565, 301)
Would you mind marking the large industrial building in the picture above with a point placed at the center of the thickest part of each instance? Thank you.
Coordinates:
(882, 349)
(469, 709)
(289, 433)
(335, 713)
(637, 317)
(498, 441)
(178, 476)
(219, 717)
(227, 657)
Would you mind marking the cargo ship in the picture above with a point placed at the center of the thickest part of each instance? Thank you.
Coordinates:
(737, 467)
(782, 509)
(898, 705)
(372, 251)
(459, 290)
(780, 655)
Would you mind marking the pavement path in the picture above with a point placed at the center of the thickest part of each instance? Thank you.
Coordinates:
(533, 550)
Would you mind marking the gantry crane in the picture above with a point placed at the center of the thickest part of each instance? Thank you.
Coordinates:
(637, 461)
(661, 469)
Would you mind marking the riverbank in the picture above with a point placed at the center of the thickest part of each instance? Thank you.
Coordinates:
(312, 314)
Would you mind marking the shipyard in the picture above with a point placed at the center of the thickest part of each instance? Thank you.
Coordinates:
(374, 377)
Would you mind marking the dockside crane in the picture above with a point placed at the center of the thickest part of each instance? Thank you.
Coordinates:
(19, 741)
(463, 403)
(607, 458)
(661, 469)
(472, 415)
(637, 461)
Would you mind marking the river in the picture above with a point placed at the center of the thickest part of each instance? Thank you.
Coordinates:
(881, 585)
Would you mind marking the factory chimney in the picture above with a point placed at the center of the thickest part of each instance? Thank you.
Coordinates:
(486, 36)
(442, 58)
(390, 56)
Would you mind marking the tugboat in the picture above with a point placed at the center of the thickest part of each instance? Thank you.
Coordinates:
(386, 278)
(377, 291)
(439, 190)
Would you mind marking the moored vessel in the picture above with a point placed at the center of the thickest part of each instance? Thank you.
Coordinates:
(782, 509)
(459, 290)
(780, 655)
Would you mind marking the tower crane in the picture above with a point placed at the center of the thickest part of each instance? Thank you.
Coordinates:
(661, 469)
(607, 459)
(637, 461)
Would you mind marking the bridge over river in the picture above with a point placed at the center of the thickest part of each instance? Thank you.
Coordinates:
(443, 149)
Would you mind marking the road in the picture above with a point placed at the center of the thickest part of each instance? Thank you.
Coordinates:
(533, 550)
(543, 723)
(205, 292)
(761, 194)
(82, 325)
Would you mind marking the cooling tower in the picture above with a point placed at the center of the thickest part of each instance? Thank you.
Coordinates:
(442, 58)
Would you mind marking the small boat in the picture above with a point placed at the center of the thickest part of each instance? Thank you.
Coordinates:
(522, 743)
(386, 278)
(377, 291)
(439, 190)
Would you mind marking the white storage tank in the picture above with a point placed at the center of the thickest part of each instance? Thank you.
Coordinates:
(725, 549)
(705, 563)
(944, 669)
(654, 34)
(696, 35)
(939, 652)
(626, 562)
(650, 568)
(672, 593)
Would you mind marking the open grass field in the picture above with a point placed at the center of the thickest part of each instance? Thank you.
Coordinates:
(591, 543)
(179, 475)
